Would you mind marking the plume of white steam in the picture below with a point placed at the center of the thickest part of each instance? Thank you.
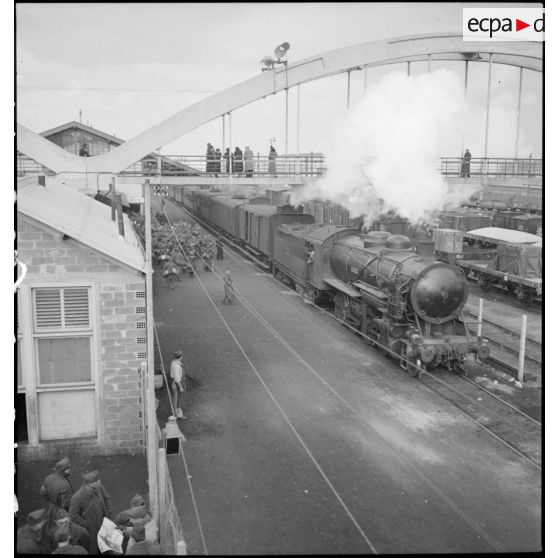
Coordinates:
(385, 155)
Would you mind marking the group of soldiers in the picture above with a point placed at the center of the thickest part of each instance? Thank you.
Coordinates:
(177, 248)
(74, 522)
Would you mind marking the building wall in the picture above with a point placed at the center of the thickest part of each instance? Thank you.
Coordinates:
(117, 311)
(71, 140)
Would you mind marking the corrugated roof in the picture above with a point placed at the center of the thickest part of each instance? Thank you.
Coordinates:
(81, 218)
(503, 235)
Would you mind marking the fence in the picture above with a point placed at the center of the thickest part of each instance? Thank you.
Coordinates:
(307, 164)
(171, 536)
(480, 166)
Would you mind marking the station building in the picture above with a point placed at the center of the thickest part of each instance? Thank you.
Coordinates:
(79, 139)
(81, 327)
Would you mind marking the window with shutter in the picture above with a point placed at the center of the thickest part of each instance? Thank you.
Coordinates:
(63, 334)
(61, 308)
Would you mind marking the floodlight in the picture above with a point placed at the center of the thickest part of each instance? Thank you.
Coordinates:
(281, 50)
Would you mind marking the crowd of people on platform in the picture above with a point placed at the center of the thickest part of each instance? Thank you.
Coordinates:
(236, 162)
(82, 522)
(177, 249)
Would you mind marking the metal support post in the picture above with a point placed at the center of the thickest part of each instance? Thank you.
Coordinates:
(429, 60)
(160, 170)
(348, 89)
(479, 330)
(466, 84)
(298, 119)
(408, 68)
(162, 488)
(286, 121)
(487, 107)
(518, 111)
(521, 364)
(230, 145)
(149, 374)
(365, 78)
(113, 198)
(119, 215)
(223, 118)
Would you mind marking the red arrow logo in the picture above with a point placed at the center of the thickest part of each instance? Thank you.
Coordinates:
(519, 25)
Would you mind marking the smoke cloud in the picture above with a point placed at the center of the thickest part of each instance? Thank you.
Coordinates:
(385, 154)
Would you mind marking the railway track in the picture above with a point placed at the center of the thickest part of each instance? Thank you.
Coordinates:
(511, 426)
(507, 423)
(504, 346)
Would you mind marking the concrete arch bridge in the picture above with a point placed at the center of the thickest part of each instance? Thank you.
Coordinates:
(428, 47)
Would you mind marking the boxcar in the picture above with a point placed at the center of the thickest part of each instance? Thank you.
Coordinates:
(224, 212)
(526, 223)
(201, 201)
(258, 223)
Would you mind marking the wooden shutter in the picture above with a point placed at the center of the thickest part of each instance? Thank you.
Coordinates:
(66, 308)
(48, 310)
(76, 308)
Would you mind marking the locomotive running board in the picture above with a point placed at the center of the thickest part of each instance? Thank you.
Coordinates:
(340, 286)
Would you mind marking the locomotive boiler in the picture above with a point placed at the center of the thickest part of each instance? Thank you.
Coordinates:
(406, 302)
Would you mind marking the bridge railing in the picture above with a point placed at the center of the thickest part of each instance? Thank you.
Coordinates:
(491, 166)
(308, 164)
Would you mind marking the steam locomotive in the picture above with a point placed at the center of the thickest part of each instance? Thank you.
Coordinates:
(377, 283)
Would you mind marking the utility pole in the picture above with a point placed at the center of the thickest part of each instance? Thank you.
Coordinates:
(152, 439)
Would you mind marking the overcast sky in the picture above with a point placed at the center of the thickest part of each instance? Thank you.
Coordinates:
(128, 66)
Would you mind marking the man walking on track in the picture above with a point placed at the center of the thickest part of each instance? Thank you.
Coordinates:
(177, 376)
(229, 290)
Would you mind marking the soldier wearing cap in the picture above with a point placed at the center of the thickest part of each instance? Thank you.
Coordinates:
(57, 490)
(29, 540)
(63, 542)
(78, 535)
(142, 546)
(89, 505)
(177, 376)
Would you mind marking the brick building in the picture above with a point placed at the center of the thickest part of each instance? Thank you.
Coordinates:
(81, 332)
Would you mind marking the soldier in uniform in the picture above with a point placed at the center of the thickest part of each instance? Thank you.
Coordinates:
(89, 506)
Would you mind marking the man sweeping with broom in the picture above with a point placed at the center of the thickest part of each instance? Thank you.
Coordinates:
(178, 376)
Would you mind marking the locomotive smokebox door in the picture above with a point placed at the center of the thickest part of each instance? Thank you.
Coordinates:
(439, 292)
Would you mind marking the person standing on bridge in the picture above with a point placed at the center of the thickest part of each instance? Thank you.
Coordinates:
(248, 161)
(217, 168)
(227, 157)
(209, 154)
(237, 165)
(466, 164)
(272, 167)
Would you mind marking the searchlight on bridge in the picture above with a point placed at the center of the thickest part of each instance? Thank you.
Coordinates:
(268, 62)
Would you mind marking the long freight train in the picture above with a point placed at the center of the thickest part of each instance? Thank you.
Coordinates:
(378, 284)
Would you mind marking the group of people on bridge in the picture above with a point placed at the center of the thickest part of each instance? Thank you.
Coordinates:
(236, 162)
